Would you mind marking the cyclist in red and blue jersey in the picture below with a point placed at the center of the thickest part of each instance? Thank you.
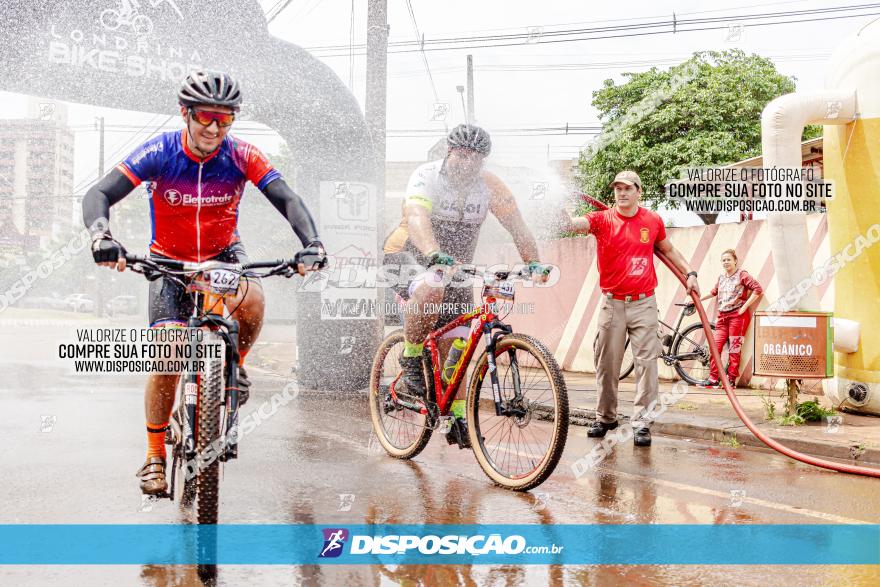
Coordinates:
(196, 177)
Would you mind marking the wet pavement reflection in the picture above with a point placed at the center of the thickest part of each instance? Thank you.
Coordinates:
(316, 461)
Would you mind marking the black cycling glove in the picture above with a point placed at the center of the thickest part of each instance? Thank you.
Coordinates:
(105, 249)
(314, 256)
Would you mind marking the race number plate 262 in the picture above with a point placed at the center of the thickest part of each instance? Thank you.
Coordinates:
(222, 281)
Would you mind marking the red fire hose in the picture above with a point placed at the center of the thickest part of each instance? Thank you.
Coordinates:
(737, 407)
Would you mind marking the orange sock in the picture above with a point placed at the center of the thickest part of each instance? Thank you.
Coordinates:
(156, 440)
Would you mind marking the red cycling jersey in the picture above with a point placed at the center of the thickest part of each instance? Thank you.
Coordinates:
(625, 249)
(194, 202)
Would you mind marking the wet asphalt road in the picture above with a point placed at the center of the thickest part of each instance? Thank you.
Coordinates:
(314, 462)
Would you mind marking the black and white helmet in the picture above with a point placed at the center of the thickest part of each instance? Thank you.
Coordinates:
(210, 87)
(471, 137)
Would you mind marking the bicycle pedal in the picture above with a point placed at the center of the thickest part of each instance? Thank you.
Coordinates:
(458, 435)
(445, 424)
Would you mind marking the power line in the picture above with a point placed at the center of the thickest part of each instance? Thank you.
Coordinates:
(310, 10)
(665, 26)
(647, 17)
(122, 148)
(276, 10)
(424, 57)
(555, 129)
(650, 24)
(578, 66)
(351, 50)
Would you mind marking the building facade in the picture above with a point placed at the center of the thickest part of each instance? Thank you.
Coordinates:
(36, 176)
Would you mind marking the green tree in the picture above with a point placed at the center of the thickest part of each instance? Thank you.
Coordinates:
(703, 112)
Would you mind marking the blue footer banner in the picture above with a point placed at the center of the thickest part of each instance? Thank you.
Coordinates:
(291, 544)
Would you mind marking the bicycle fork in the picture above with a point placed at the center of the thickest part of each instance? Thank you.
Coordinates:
(229, 333)
(190, 402)
(495, 330)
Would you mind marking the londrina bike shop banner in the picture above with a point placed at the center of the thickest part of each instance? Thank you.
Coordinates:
(93, 53)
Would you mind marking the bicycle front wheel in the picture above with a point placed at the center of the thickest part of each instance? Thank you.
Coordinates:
(691, 355)
(208, 441)
(519, 449)
(402, 431)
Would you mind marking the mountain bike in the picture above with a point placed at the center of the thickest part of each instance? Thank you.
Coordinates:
(203, 431)
(684, 350)
(517, 417)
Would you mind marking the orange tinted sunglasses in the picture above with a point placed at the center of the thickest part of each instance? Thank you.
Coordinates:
(206, 118)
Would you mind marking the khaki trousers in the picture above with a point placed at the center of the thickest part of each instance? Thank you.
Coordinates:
(616, 319)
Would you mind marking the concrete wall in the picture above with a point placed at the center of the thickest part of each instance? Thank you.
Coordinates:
(564, 315)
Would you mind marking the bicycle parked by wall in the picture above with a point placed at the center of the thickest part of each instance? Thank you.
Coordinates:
(684, 350)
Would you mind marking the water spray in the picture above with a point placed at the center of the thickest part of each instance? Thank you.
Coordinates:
(734, 401)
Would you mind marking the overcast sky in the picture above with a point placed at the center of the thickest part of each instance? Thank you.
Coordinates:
(510, 92)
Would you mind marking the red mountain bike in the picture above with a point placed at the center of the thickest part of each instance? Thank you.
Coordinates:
(517, 417)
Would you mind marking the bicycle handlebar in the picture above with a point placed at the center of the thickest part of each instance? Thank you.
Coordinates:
(309, 257)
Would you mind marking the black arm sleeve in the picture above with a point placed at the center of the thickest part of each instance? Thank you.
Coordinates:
(293, 208)
(108, 191)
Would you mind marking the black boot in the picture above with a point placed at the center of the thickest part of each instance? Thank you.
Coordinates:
(642, 437)
(598, 429)
(413, 376)
(458, 433)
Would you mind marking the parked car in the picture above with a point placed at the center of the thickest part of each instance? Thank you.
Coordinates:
(80, 302)
(44, 303)
(121, 305)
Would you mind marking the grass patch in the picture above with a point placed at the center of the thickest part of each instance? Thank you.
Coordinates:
(807, 411)
(769, 408)
(857, 450)
(790, 420)
(731, 441)
(811, 411)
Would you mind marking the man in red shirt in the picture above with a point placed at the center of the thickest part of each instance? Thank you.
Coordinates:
(626, 238)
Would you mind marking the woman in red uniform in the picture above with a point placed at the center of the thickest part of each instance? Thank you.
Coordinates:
(737, 291)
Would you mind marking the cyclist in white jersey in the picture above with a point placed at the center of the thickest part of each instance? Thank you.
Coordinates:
(445, 205)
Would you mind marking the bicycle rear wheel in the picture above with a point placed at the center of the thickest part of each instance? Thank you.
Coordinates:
(520, 450)
(402, 432)
(691, 355)
(208, 442)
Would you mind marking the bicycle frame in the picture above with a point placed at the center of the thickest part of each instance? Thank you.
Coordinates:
(227, 329)
(488, 322)
(676, 333)
(206, 315)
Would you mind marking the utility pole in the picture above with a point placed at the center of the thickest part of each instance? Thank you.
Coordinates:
(377, 80)
(464, 110)
(471, 115)
(99, 299)
(375, 107)
(100, 122)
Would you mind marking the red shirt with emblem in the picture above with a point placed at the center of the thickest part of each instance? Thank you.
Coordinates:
(625, 249)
